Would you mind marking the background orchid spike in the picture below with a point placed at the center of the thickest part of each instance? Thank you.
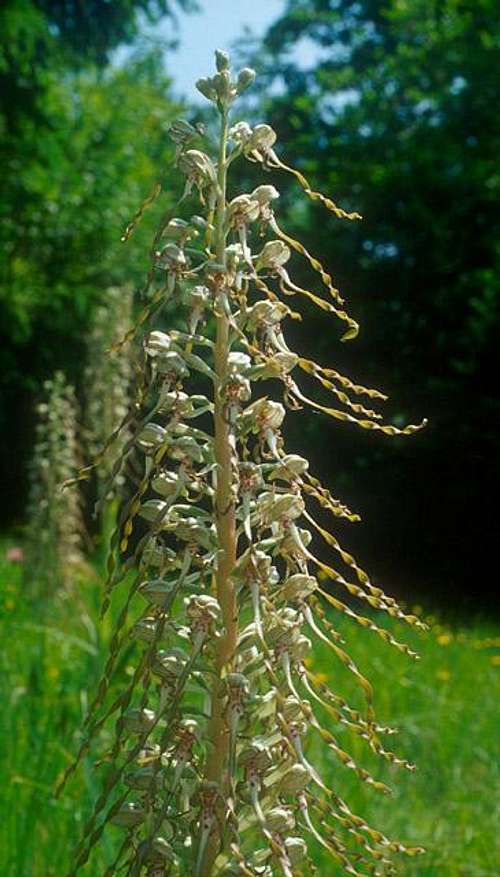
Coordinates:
(223, 587)
(107, 379)
(56, 531)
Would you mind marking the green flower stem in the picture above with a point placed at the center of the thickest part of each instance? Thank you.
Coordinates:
(226, 520)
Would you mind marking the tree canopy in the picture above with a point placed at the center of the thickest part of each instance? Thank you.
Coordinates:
(36, 31)
(81, 143)
(396, 118)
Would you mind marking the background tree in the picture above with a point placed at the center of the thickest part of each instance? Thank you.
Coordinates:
(80, 142)
(396, 116)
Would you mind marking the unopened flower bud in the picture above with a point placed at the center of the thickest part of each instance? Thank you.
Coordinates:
(238, 362)
(145, 629)
(222, 84)
(221, 60)
(165, 483)
(180, 131)
(200, 222)
(179, 229)
(157, 342)
(245, 79)
(298, 587)
(300, 648)
(296, 849)
(206, 87)
(171, 363)
(172, 258)
(169, 665)
(292, 709)
(186, 447)
(152, 509)
(280, 821)
(151, 437)
(296, 780)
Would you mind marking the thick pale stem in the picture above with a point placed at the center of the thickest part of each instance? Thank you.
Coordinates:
(218, 732)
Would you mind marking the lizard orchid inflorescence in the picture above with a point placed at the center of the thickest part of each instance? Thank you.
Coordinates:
(209, 771)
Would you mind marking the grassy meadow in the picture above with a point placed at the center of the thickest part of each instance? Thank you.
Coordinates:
(445, 707)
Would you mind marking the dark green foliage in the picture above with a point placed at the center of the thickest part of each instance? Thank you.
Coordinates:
(37, 30)
(79, 147)
(397, 118)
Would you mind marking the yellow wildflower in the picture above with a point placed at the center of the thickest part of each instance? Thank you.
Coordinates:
(444, 639)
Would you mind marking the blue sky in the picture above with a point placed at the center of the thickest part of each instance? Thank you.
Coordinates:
(217, 26)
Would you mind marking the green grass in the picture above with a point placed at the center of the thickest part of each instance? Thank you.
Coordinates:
(445, 707)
